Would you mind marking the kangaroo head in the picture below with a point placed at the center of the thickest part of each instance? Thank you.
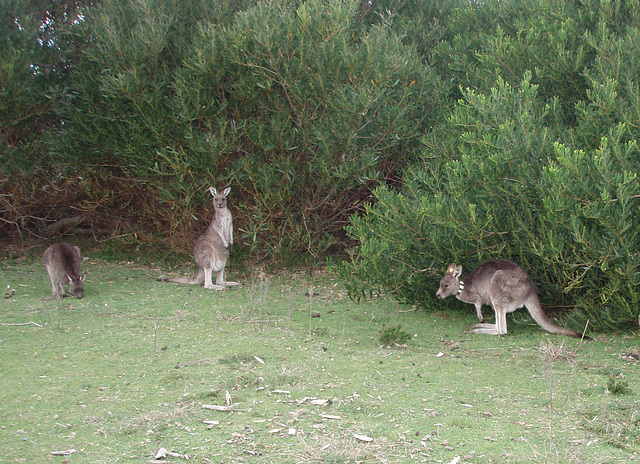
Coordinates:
(219, 199)
(76, 285)
(450, 283)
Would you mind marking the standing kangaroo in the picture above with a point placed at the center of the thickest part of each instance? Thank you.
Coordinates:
(63, 266)
(505, 287)
(211, 250)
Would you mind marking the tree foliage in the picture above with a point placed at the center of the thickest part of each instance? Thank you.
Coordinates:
(438, 131)
(36, 59)
(302, 107)
(305, 118)
(523, 171)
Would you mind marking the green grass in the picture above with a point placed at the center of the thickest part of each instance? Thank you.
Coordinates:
(126, 371)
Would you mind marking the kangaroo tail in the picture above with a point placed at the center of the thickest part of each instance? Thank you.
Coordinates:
(197, 280)
(538, 315)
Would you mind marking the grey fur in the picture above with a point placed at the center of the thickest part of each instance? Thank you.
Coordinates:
(211, 250)
(505, 287)
(62, 262)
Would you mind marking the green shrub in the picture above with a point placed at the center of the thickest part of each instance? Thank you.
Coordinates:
(618, 386)
(509, 190)
(299, 107)
(393, 335)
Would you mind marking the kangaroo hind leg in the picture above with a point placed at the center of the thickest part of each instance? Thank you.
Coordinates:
(220, 264)
(489, 329)
(501, 321)
(208, 283)
(499, 328)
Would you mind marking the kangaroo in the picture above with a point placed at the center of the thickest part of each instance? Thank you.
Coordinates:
(505, 287)
(63, 266)
(211, 250)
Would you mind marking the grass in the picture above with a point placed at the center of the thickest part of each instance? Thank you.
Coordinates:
(126, 371)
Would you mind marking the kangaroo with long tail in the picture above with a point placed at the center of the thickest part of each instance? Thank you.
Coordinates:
(505, 287)
(211, 250)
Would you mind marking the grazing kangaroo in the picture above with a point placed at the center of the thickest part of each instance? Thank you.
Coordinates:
(63, 266)
(211, 250)
(505, 287)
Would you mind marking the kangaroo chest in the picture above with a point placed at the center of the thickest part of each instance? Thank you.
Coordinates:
(224, 221)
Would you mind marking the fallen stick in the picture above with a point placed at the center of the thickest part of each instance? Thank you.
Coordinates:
(63, 453)
(26, 323)
(215, 407)
(163, 453)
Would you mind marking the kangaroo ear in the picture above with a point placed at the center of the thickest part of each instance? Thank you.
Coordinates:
(454, 270)
(457, 272)
(226, 191)
(213, 191)
(82, 277)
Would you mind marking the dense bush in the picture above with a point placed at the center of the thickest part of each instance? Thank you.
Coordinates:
(30, 73)
(447, 129)
(305, 118)
(301, 107)
(480, 201)
(509, 175)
